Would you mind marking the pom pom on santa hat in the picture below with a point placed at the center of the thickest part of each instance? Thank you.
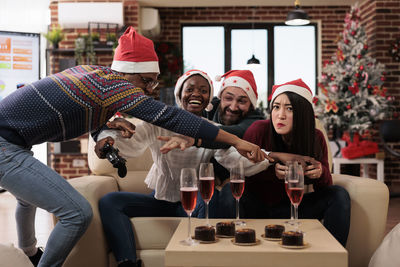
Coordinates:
(243, 79)
(297, 86)
(135, 54)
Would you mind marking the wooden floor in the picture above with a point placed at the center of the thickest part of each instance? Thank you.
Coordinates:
(8, 231)
(393, 217)
(44, 223)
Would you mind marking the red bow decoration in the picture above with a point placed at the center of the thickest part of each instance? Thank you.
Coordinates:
(357, 148)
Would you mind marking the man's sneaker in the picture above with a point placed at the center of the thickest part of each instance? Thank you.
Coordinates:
(36, 258)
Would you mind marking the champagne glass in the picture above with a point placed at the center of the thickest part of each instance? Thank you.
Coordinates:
(189, 192)
(295, 188)
(237, 187)
(288, 173)
(206, 178)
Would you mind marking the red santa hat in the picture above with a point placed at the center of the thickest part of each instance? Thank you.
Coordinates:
(297, 86)
(135, 54)
(243, 79)
(187, 75)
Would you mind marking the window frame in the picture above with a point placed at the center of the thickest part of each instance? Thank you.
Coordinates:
(269, 26)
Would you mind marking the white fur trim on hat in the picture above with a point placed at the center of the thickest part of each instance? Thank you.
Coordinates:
(135, 67)
(187, 75)
(243, 84)
(304, 92)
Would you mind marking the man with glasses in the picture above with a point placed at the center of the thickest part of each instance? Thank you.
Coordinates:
(67, 105)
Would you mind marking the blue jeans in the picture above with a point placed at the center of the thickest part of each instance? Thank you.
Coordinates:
(221, 205)
(36, 185)
(331, 203)
(115, 210)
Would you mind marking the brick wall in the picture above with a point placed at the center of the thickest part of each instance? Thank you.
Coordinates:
(331, 20)
(381, 19)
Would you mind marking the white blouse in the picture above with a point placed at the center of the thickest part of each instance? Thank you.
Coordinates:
(164, 174)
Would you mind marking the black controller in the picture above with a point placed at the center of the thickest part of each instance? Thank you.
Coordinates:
(113, 157)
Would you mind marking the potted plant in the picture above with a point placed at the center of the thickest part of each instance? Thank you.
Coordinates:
(80, 45)
(55, 36)
(111, 39)
(95, 38)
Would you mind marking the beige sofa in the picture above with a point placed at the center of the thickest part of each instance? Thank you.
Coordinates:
(369, 200)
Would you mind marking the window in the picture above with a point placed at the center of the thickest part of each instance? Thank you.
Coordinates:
(203, 49)
(295, 55)
(285, 52)
(257, 41)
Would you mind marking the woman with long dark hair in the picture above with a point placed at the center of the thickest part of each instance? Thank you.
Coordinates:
(291, 129)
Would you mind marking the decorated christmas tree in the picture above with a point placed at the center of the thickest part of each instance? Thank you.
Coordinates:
(352, 96)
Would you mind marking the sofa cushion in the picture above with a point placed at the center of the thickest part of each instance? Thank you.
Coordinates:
(154, 233)
(134, 182)
(13, 257)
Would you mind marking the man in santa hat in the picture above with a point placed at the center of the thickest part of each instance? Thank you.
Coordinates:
(66, 105)
(235, 110)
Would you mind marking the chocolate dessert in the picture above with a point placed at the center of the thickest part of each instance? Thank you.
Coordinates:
(292, 238)
(274, 230)
(225, 229)
(245, 235)
(204, 233)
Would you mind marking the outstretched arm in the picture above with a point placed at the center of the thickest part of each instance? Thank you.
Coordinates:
(246, 149)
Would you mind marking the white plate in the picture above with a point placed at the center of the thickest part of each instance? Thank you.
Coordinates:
(305, 245)
(271, 238)
(258, 241)
(206, 242)
(225, 236)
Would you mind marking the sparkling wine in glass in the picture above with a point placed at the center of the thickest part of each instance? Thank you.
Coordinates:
(206, 181)
(295, 188)
(237, 186)
(189, 190)
(289, 164)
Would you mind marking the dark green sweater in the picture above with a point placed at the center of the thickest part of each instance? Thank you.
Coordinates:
(237, 129)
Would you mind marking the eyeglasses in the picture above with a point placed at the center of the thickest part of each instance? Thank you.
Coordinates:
(148, 82)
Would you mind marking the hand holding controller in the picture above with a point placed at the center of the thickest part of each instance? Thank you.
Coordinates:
(116, 160)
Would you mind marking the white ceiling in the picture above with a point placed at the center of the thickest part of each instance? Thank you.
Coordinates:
(203, 3)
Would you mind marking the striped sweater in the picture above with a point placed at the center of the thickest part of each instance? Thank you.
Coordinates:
(82, 99)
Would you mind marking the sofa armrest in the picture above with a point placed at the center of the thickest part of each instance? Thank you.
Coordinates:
(369, 207)
(91, 249)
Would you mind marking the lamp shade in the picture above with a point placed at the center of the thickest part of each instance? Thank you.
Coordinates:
(297, 17)
(253, 60)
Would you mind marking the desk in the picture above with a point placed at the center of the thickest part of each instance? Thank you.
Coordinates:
(324, 250)
(337, 162)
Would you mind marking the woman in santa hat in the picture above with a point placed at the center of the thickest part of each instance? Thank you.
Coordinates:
(291, 129)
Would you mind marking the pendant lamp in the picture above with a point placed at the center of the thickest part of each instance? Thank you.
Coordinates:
(297, 16)
(253, 59)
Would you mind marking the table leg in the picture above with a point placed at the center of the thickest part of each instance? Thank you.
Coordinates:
(380, 172)
(336, 168)
(364, 170)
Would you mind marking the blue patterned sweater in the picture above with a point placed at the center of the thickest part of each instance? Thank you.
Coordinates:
(82, 99)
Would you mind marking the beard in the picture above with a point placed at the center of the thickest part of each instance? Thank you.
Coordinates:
(228, 120)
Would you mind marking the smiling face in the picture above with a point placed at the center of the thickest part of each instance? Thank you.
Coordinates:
(235, 104)
(195, 94)
(282, 115)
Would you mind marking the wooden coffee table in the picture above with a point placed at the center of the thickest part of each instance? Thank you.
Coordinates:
(323, 249)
